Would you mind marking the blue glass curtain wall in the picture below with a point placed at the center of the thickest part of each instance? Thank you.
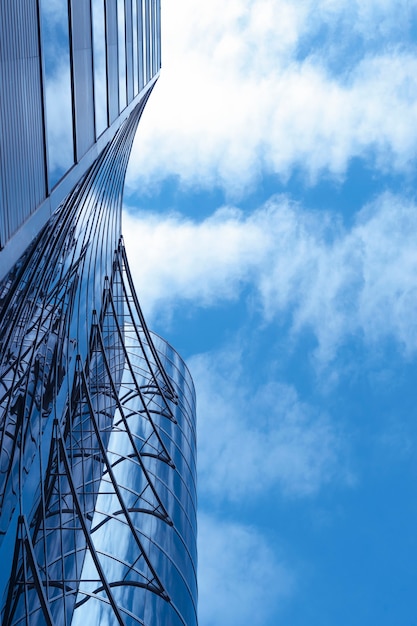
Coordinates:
(121, 40)
(97, 415)
(67, 71)
(135, 45)
(22, 146)
(97, 429)
(57, 89)
(100, 69)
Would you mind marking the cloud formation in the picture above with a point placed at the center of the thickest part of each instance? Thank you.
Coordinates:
(335, 281)
(240, 579)
(258, 439)
(238, 94)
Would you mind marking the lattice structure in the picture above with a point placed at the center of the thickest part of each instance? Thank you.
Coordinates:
(97, 432)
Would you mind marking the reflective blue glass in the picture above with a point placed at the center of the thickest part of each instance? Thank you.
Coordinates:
(57, 89)
(97, 415)
(146, 21)
(100, 70)
(107, 443)
(141, 44)
(135, 47)
(121, 39)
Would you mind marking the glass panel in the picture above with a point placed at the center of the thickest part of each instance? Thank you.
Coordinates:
(141, 43)
(122, 53)
(146, 36)
(58, 96)
(156, 38)
(152, 29)
(135, 48)
(100, 73)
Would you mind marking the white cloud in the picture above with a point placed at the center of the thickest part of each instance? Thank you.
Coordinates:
(388, 299)
(335, 281)
(180, 258)
(240, 579)
(234, 98)
(371, 19)
(258, 440)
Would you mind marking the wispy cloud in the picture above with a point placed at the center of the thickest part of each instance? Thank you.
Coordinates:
(237, 95)
(241, 581)
(338, 282)
(258, 439)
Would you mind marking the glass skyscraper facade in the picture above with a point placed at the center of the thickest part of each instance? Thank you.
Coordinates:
(97, 414)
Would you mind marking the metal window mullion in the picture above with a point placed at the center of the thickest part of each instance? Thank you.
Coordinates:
(72, 78)
(36, 575)
(139, 19)
(137, 387)
(8, 608)
(85, 530)
(92, 69)
(144, 326)
(166, 516)
(157, 586)
(40, 331)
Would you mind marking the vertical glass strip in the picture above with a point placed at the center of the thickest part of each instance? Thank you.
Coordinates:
(121, 39)
(141, 41)
(153, 36)
(146, 39)
(135, 48)
(58, 92)
(158, 34)
(100, 70)
(129, 50)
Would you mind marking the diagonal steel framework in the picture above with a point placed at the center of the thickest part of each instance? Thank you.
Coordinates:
(80, 468)
(88, 422)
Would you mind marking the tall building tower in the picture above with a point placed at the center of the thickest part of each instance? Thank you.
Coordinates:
(97, 414)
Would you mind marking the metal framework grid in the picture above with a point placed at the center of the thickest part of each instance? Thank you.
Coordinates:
(97, 432)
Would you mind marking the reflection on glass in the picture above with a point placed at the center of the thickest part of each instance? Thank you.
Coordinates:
(158, 36)
(152, 32)
(141, 43)
(152, 462)
(135, 48)
(100, 73)
(58, 97)
(122, 52)
(146, 35)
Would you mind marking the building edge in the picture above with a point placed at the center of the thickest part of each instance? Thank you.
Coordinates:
(95, 299)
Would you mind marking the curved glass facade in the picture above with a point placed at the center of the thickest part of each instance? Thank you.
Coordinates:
(97, 439)
(70, 74)
(97, 415)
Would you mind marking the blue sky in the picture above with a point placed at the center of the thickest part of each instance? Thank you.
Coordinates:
(271, 223)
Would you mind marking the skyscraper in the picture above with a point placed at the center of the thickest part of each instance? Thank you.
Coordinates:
(97, 414)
